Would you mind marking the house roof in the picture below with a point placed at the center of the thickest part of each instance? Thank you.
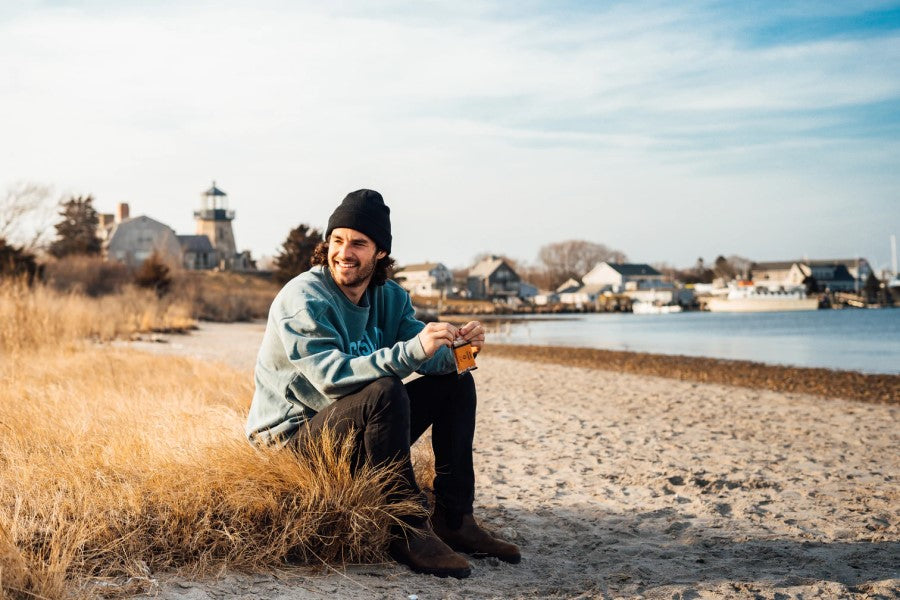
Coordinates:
(569, 285)
(845, 262)
(775, 265)
(195, 243)
(631, 269)
(419, 267)
(787, 264)
(487, 266)
(594, 288)
(125, 224)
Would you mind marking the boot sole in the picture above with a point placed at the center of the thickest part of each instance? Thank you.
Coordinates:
(513, 560)
(456, 573)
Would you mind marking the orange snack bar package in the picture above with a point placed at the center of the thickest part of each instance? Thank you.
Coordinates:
(464, 355)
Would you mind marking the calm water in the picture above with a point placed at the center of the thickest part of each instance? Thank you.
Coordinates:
(855, 340)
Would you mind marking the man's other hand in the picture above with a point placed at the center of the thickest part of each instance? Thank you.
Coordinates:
(473, 331)
(436, 335)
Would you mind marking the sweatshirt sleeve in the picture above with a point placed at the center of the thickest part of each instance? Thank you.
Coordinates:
(442, 362)
(313, 346)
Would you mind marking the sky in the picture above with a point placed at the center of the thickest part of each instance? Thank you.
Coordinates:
(669, 131)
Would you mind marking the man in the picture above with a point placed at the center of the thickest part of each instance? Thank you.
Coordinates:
(339, 339)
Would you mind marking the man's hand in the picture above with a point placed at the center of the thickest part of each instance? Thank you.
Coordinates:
(473, 331)
(436, 335)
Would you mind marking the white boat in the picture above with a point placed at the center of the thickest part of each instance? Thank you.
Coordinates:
(749, 298)
(648, 308)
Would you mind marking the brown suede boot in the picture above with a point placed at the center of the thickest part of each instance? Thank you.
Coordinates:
(423, 552)
(470, 538)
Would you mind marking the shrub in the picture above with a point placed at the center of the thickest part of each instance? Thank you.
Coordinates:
(15, 261)
(154, 274)
(224, 296)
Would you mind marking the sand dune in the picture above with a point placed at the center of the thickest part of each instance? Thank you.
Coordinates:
(622, 485)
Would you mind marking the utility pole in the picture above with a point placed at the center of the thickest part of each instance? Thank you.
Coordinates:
(894, 255)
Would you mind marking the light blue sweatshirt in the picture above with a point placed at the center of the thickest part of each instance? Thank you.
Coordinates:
(319, 347)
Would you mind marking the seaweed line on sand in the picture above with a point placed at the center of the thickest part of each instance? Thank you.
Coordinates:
(851, 385)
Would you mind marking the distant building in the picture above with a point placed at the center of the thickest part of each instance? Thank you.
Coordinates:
(214, 221)
(545, 297)
(623, 277)
(133, 240)
(198, 253)
(527, 291)
(584, 296)
(425, 279)
(777, 273)
(838, 275)
(493, 279)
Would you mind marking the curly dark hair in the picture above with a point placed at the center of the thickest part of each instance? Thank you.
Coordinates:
(384, 267)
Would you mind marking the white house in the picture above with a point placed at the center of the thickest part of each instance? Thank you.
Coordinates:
(622, 277)
(425, 279)
(584, 296)
(545, 297)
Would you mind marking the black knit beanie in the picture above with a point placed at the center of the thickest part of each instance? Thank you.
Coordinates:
(365, 211)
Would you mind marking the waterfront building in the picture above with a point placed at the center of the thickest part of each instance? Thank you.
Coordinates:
(198, 252)
(493, 279)
(836, 275)
(622, 277)
(425, 279)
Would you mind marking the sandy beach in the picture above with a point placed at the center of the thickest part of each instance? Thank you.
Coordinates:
(627, 485)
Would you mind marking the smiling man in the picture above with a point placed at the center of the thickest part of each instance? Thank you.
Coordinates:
(339, 340)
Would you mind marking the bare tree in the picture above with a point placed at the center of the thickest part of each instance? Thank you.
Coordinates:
(26, 215)
(723, 269)
(741, 265)
(574, 258)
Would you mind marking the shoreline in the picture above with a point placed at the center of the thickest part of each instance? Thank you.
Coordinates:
(852, 385)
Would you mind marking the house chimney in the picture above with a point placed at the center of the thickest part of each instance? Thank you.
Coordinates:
(121, 211)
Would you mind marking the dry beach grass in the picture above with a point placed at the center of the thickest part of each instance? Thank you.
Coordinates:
(116, 464)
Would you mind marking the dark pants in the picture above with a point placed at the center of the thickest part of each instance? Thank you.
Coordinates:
(388, 416)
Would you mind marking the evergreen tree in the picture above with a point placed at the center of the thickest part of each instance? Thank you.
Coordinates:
(296, 253)
(77, 232)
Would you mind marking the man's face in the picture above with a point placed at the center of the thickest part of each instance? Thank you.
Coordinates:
(351, 257)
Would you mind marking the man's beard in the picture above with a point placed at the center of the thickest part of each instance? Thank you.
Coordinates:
(362, 273)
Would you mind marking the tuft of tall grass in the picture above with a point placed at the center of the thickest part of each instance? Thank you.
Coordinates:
(115, 464)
